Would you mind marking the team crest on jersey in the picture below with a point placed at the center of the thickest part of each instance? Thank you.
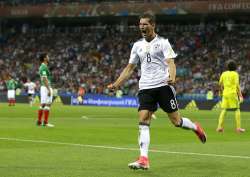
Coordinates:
(156, 46)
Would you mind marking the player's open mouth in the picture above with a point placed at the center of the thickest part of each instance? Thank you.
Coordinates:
(143, 32)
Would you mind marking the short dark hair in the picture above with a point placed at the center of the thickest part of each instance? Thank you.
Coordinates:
(42, 56)
(231, 65)
(151, 17)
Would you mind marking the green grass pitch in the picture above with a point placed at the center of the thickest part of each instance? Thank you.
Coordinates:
(101, 141)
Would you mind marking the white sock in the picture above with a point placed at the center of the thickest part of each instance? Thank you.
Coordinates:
(186, 123)
(144, 139)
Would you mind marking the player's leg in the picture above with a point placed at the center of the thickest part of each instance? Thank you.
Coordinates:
(147, 106)
(143, 140)
(12, 97)
(144, 134)
(186, 123)
(182, 122)
(31, 99)
(8, 97)
(43, 101)
(40, 114)
(47, 110)
(237, 119)
(168, 102)
(224, 106)
(220, 127)
(238, 122)
(46, 114)
(236, 103)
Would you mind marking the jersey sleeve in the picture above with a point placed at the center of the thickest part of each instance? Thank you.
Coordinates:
(168, 52)
(134, 58)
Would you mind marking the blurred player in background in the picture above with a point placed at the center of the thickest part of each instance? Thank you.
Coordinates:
(231, 96)
(31, 87)
(11, 87)
(46, 91)
(158, 72)
(80, 94)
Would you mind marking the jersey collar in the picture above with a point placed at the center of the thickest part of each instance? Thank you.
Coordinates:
(156, 36)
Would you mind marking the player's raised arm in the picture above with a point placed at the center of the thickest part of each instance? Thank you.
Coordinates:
(126, 73)
(172, 70)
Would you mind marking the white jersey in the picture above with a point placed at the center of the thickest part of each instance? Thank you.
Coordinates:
(31, 87)
(152, 56)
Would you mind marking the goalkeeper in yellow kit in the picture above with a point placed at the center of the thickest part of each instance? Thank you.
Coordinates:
(231, 96)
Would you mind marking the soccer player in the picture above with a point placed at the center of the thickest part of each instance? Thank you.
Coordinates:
(80, 94)
(31, 86)
(231, 96)
(11, 86)
(158, 72)
(46, 91)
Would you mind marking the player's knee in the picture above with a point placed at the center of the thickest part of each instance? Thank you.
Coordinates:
(42, 106)
(145, 116)
(144, 120)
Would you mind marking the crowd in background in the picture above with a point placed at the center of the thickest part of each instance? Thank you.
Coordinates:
(94, 56)
(36, 2)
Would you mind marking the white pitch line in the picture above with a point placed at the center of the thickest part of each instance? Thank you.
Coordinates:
(124, 148)
(84, 117)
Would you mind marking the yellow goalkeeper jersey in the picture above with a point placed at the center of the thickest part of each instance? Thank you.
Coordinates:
(230, 82)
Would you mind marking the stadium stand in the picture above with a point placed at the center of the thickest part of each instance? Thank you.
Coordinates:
(93, 56)
(39, 2)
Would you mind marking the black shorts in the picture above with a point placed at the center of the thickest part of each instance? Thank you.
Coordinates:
(164, 96)
(30, 94)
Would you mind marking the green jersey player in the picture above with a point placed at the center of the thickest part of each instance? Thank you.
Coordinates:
(46, 94)
(11, 86)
